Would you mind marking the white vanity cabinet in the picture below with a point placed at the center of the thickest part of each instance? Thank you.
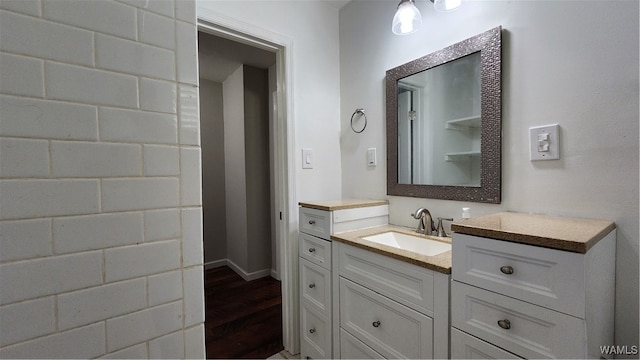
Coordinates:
(318, 221)
(529, 292)
(388, 308)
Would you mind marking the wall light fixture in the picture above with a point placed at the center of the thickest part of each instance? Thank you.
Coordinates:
(407, 18)
(446, 5)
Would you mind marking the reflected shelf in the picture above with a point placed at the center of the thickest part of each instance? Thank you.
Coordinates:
(461, 155)
(464, 123)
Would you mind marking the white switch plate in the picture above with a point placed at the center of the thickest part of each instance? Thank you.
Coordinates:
(307, 158)
(371, 157)
(544, 142)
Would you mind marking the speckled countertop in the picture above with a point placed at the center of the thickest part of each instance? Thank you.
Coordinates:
(555, 232)
(330, 205)
(440, 263)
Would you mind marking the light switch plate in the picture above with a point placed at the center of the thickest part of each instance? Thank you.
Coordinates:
(544, 142)
(371, 157)
(307, 158)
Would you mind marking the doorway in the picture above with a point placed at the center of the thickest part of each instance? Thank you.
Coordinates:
(266, 260)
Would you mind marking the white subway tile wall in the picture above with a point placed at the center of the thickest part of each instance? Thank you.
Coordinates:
(134, 352)
(84, 342)
(21, 75)
(194, 343)
(29, 7)
(37, 118)
(100, 180)
(165, 287)
(26, 239)
(139, 326)
(161, 160)
(45, 39)
(167, 347)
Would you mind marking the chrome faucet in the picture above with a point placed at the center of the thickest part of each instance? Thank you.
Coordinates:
(425, 220)
(440, 228)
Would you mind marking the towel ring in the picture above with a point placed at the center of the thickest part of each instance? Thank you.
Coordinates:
(359, 111)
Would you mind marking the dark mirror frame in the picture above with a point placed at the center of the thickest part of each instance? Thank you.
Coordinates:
(489, 44)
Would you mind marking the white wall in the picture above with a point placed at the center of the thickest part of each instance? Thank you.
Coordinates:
(213, 181)
(569, 62)
(312, 28)
(234, 169)
(258, 184)
(247, 195)
(101, 221)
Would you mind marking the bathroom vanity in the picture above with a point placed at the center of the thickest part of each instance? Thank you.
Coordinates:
(508, 285)
(532, 286)
(318, 221)
(392, 303)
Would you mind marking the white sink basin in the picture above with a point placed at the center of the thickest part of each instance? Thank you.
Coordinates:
(416, 244)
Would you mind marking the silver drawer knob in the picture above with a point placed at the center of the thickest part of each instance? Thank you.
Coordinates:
(505, 324)
(376, 324)
(312, 250)
(507, 270)
(312, 330)
(311, 286)
(312, 222)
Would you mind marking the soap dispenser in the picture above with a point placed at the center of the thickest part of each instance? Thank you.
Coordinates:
(466, 213)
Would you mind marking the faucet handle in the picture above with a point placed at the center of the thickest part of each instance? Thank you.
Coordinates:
(418, 214)
(440, 228)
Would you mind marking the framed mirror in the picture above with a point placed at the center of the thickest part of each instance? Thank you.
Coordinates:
(444, 115)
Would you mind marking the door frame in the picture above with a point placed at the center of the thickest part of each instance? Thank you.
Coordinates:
(284, 156)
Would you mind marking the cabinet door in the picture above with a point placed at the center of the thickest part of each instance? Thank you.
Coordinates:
(547, 277)
(525, 329)
(391, 329)
(398, 280)
(352, 348)
(316, 250)
(465, 346)
(315, 222)
(315, 334)
(315, 286)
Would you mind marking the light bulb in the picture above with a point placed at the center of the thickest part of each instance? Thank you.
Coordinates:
(407, 18)
(446, 5)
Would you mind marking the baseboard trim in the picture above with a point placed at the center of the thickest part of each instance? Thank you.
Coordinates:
(246, 275)
(215, 264)
(275, 275)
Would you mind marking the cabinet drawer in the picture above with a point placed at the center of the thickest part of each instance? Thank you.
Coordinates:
(525, 329)
(315, 222)
(315, 286)
(315, 339)
(398, 280)
(352, 348)
(316, 250)
(391, 329)
(546, 277)
(465, 346)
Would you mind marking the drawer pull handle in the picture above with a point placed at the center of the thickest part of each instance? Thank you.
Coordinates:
(376, 324)
(312, 330)
(505, 324)
(312, 222)
(507, 270)
(311, 286)
(312, 250)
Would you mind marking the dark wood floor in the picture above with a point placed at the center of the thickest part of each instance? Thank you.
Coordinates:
(243, 320)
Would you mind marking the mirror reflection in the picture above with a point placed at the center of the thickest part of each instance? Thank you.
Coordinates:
(444, 122)
(439, 125)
